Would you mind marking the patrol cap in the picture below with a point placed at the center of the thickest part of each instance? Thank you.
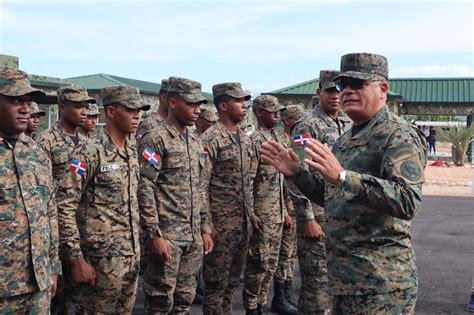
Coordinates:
(233, 89)
(164, 86)
(124, 95)
(93, 110)
(267, 102)
(294, 111)
(15, 82)
(364, 66)
(74, 93)
(188, 89)
(208, 115)
(35, 110)
(326, 78)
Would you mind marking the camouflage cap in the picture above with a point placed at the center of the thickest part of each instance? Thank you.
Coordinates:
(267, 102)
(124, 95)
(233, 89)
(164, 86)
(35, 110)
(93, 110)
(364, 66)
(208, 115)
(326, 78)
(188, 89)
(294, 111)
(15, 82)
(74, 94)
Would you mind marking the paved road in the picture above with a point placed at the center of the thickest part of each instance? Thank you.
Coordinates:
(443, 238)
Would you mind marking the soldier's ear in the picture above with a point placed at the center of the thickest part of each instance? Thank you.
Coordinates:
(222, 106)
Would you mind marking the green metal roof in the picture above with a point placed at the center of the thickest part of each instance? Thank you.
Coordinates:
(100, 80)
(413, 90)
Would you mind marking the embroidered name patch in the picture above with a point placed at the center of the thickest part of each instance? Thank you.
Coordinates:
(108, 168)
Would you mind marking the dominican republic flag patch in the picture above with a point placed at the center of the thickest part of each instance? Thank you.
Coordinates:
(301, 139)
(205, 152)
(151, 156)
(78, 167)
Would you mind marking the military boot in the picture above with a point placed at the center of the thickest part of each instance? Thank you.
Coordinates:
(288, 295)
(470, 305)
(279, 303)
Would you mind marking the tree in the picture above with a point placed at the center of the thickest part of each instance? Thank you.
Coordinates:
(460, 137)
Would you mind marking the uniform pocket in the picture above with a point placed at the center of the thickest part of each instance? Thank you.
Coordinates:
(8, 194)
(108, 187)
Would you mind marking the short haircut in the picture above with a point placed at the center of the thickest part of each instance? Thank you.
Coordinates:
(221, 99)
(170, 95)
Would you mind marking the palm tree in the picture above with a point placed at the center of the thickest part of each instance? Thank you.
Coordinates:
(460, 137)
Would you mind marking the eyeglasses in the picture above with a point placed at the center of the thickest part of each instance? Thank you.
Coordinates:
(355, 84)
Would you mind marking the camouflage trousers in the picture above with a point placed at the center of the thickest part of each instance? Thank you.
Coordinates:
(67, 294)
(170, 285)
(222, 270)
(262, 262)
(116, 286)
(398, 302)
(314, 297)
(36, 303)
(287, 258)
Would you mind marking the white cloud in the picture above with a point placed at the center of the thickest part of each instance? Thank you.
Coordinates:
(454, 70)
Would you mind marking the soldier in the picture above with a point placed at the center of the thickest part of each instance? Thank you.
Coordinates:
(227, 193)
(170, 203)
(271, 202)
(155, 119)
(28, 220)
(325, 126)
(287, 256)
(370, 185)
(206, 119)
(87, 129)
(34, 120)
(100, 189)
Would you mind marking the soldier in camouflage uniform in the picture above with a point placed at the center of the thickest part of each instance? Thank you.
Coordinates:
(325, 126)
(228, 197)
(34, 120)
(100, 190)
(88, 128)
(271, 202)
(370, 185)
(170, 201)
(206, 119)
(287, 257)
(28, 220)
(155, 119)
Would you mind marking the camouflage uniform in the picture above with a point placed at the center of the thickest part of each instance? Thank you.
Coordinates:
(28, 218)
(35, 110)
(93, 110)
(227, 192)
(154, 120)
(171, 208)
(311, 251)
(271, 202)
(370, 258)
(100, 188)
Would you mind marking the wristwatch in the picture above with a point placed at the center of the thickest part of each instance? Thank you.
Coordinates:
(342, 178)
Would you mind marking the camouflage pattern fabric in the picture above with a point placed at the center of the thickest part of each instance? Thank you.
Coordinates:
(170, 285)
(58, 146)
(147, 125)
(326, 78)
(208, 115)
(93, 110)
(400, 302)
(106, 194)
(363, 66)
(124, 95)
(29, 303)
(29, 229)
(381, 194)
(74, 94)
(171, 207)
(14, 82)
(232, 89)
(117, 283)
(189, 90)
(228, 197)
(35, 110)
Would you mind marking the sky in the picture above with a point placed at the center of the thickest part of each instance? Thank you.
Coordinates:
(265, 45)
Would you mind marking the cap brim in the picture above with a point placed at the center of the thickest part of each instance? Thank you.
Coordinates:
(135, 105)
(355, 75)
(328, 85)
(94, 114)
(40, 113)
(242, 94)
(194, 98)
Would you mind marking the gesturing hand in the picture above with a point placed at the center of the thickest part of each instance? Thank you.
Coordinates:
(284, 160)
(323, 161)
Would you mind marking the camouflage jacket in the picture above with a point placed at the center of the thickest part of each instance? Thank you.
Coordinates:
(148, 124)
(58, 146)
(323, 128)
(368, 219)
(271, 199)
(169, 190)
(227, 178)
(100, 189)
(28, 219)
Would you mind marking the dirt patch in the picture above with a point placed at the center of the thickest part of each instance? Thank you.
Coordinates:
(449, 181)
